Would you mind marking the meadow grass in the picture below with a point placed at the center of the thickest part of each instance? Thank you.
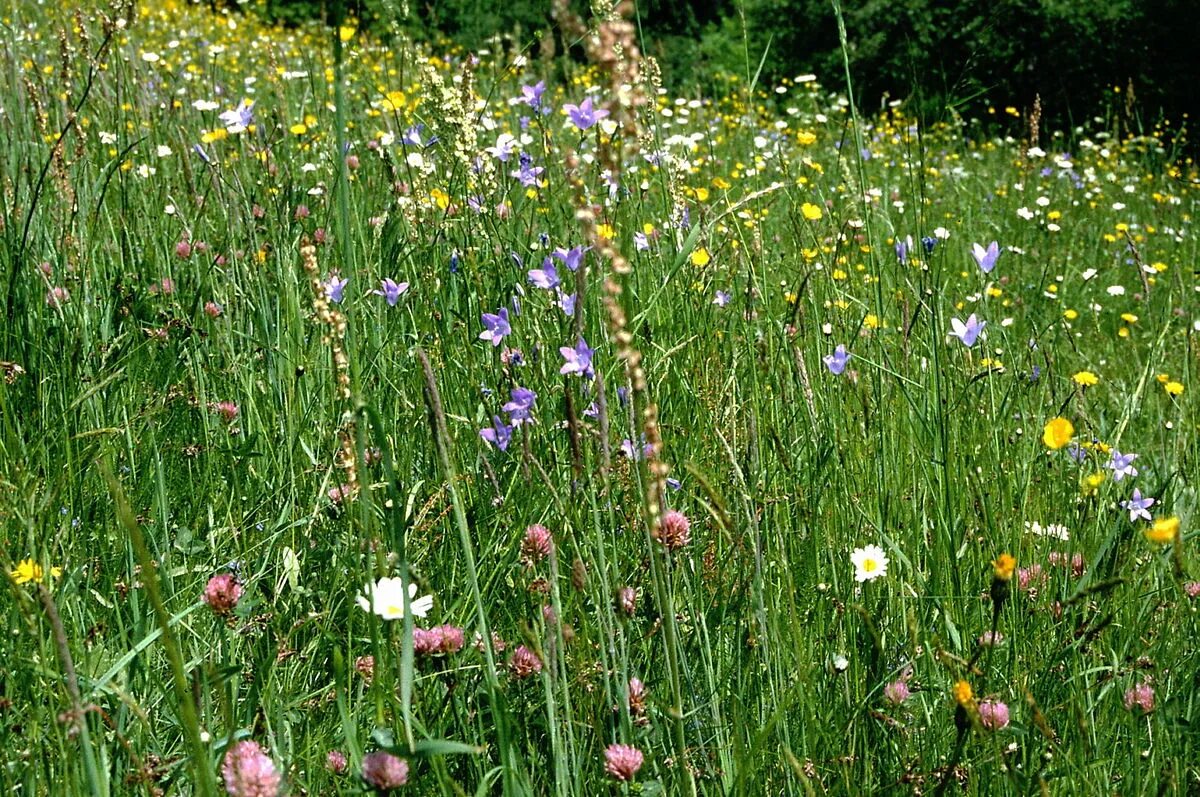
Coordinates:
(213, 450)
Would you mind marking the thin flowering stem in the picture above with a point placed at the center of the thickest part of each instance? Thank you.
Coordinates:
(201, 774)
(513, 771)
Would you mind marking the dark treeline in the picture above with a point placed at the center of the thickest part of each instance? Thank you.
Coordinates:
(1127, 59)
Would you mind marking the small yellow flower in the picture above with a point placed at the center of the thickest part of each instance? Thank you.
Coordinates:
(1086, 378)
(964, 695)
(1163, 531)
(1090, 484)
(1003, 566)
(701, 257)
(811, 211)
(346, 32)
(1174, 388)
(298, 129)
(1058, 433)
(605, 231)
(29, 570)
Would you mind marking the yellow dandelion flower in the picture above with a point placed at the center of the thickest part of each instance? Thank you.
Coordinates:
(29, 570)
(298, 129)
(1163, 531)
(1173, 388)
(1003, 567)
(1086, 379)
(1058, 433)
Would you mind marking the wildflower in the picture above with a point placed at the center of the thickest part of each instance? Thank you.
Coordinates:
(383, 771)
(335, 762)
(896, 692)
(722, 298)
(334, 288)
(1173, 388)
(524, 662)
(674, 530)
(836, 362)
(1002, 573)
(969, 332)
(929, 243)
(441, 640)
(498, 434)
(572, 258)
(213, 310)
(1058, 433)
(584, 115)
(637, 697)
(622, 761)
(222, 593)
(627, 600)
(57, 296)
(1163, 531)
(1085, 379)
(990, 639)
(365, 666)
(811, 212)
(986, 258)
(521, 405)
(532, 96)
(386, 598)
(869, 563)
(1192, 589)
(1121, 465)
(903, 248)
(249, 772)
(228, 410)
(1140, 697)
(1055, 530)
(496, 327)
(338, 495)
(700, 257)
(392, 291)
(964, 705)
(239, 118)
(1090, 484)
(578, 360)
(545, 277)
(527, 174)
(29, 570)
(993, 714)
(640, 242)
(183, 250)
(536, 544)
(1138, 506)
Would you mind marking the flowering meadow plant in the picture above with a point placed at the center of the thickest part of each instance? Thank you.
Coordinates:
(380, 416)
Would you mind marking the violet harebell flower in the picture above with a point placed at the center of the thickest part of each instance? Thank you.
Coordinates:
(578, 360)
(584, 115)
(967, 332)
(498, 434)
(986, 258)
(836, 362)
(521, 406)
(1138, 506)
(1121, 465)
(496, 327)
(392, 291)
(545, 277)
(573, 257)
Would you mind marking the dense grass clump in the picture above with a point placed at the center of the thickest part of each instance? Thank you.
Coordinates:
(379, 418)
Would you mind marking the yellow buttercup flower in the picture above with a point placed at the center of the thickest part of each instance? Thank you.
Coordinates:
(29, 570)
(1086, 378)
(701, 257)
(1163, 531)
(1058, 433)
(811, 211)
(1004, 566)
